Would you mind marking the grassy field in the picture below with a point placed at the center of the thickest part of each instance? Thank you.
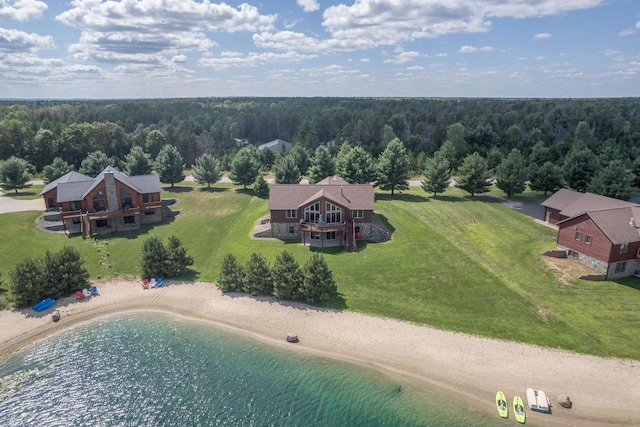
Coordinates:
(455, 262)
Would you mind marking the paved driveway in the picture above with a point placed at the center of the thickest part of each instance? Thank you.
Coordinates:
(9, 204)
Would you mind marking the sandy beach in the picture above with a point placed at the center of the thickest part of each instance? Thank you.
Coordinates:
(603, 391)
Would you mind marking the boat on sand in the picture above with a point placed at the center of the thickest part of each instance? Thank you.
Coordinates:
(538, 401)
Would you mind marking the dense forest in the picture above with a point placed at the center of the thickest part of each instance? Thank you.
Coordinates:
(595, 131)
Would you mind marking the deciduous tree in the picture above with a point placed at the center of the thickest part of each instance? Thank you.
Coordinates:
(14, 173)
(94, 163)
(56, 169)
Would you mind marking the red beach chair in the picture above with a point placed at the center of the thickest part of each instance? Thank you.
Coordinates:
(145, 284)
(79, 295)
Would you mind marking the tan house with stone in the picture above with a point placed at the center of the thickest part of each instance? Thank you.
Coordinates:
(108, 203)
(329, 213)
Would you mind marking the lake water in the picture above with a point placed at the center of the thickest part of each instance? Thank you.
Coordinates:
(150, 369)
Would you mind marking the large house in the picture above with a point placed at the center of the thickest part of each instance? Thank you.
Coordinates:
(597, 231)
(107, 203)
(329, 213)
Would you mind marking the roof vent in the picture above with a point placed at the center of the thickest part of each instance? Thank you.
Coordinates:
(632, 222)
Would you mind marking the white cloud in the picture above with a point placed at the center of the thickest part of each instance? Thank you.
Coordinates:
(252, 59)
(286, 40)
(638, 25)
(179, 58)
(18, 41)
(541, 36)
(21, 10)
(415, 68)
(468, 49)
(626, 32)
(403, 57)
(309, 5)
(487, 49)
(540, 58)
(441, 54)
(389, 22)
(610, 52)
(365, 60)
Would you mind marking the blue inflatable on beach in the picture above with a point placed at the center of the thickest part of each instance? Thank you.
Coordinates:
(44, 304)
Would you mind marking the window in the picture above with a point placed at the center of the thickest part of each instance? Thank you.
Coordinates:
(101, 223)
(50, 202)
(312, 213)
(331, 235)
(75, 220)
(292, 229)
(292, 213)
(624, 248)
(125, 199)
(147, 197)
(334, 213)
(150, 212)
(572, 254)
(357, 214)
(75, 206)
(357, 230)
(98, 203)
(578, 236)
(314, 235)
(587, 240)
(129, 219)
(621, 267)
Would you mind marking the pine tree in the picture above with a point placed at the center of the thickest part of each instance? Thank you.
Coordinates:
(512, 173)
(170, 165)
(207, 170)
(287, 277)
(231, 275)
(138, 162)
(358, 166)
(322, 165)
(154, 256)
(14, 173)
(28, 282)
(318, 283)
(473, 175)
(393, 167)
(257, 276)
(436, 175)
(286, 170)
(613, 181)
(56, 169)
(177, 259)
(301, 156)
(547, 177)
(65, 272)
(261, 188)
(94, 163)
(580, 166)
(244, 167)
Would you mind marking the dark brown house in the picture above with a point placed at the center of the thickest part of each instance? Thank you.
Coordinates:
(107, 203)
(329, 213)
(597, 231)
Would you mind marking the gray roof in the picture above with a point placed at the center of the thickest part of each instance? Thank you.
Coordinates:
(69, 177)
(571, 203)
(292, 196)
(275, 145)
(616, 223)
(72, 191)
(116, 174)
(147, 183)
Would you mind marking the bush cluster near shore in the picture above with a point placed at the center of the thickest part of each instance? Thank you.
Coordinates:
(312, 283)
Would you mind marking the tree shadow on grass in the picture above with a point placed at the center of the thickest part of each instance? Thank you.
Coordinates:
(22, 194)
(629, 282)
(177, 189)
(212, 189)
(402, 197)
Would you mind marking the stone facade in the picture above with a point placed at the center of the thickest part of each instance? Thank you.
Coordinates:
(602, 267)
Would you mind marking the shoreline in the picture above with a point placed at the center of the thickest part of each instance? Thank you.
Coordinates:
(467, 366)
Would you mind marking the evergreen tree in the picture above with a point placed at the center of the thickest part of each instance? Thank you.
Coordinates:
(231, 275)
(94, 163)
(547, 177)
(65, 272)
(266, 158)
(448, 151)
(388, 135)
(28, 282)
(613, 181)
(540, 154)
(580, 166)
(436, 175)
(170, 165)
(307, 135)
(512, 173)
(358, 166)
(318, 283)
(473, 175)
(261, 188)
(287, 277)
(177, 259)
(341, 158)
(322, 165)
(286, 170)
(14, 173)
(494, 158)
(455, 135)
(257, 276)
(301, 156)
(138, 162)
(244, 167)
(393, 167)
(154, 256)
(207, 170)
(582, 135)
(56, 169)
(154, 142)
(514, 137)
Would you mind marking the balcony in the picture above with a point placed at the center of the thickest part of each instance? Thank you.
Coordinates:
(322, 227)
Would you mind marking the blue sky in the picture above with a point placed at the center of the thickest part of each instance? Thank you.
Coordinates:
(386, 48)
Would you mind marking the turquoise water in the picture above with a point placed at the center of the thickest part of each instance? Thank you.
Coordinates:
(158, 370)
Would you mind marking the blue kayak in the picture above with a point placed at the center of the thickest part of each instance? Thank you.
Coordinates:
(44, 304)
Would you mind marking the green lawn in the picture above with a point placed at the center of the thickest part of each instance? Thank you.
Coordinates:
(29, 193)
(455, 262)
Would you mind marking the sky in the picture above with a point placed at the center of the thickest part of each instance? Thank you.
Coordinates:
(101, 49)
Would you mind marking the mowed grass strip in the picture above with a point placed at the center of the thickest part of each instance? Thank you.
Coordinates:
(455, 262)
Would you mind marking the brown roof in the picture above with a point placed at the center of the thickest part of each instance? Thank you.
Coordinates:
(617, 224)
(292, 196)
(333, 180)
(571, 203)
